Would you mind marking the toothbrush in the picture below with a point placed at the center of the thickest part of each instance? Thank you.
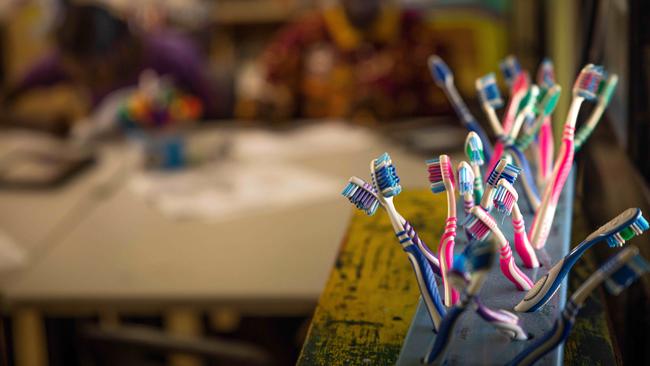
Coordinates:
(546, 107)
(621, 228)
(510, 68)
(444, 78)
(481, 225)
(465, 183)
(585, 87)
(503, 170)
(545, 151)
(604, 97)
(527, 110)
(518, 91)
(490, 98)
(505, 201)
(474, 152)
(527, 178)
(365, 197)
(545, 145)
(546, 74)
(441, 177)
(382, 171)
(481, 258)
(504, 321)
(617, 273)
(520, 88)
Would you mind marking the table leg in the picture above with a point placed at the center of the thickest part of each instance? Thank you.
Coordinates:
(185, 322)
(30, 345)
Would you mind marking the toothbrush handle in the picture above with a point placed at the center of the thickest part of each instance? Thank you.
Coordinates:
(427, 284)
(527, 179)
(467, 118)
(502, 320)
(522, 245)
(468, 203)
(544, 216)
(428, 254)
(511, 271)
(550, 340)
(496, 156)
(478, 185)
(437, 351)
(446, 255)
(545, 167)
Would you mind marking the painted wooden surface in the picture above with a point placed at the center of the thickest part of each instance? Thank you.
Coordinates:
(366, 308)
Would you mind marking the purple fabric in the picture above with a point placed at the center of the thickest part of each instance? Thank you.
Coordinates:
(166, 53)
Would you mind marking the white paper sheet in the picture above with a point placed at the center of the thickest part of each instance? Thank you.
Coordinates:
(220, 191)
(311, 140)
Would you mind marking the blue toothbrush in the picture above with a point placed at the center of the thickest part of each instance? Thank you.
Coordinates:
(625, 226)
(480, 256)
(618, 273)
(444, 78)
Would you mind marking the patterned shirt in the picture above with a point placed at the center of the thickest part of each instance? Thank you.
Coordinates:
(327, 68)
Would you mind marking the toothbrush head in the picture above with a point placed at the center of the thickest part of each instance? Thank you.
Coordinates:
(607, 88)
(546, 74)
(488, 91)
(505, 197)
(503, 170)
(528, 101)
(549, 100)
(510, 68)
(477, 224)
(441, 174)
(630, 271)
(474, 149)
(623, 227)
(384, 176)
(362, 195)
(480, 256)
(465, 178)
(588, 81)
(440, 72)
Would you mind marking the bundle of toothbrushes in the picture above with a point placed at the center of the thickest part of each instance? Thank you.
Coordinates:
(522, 299)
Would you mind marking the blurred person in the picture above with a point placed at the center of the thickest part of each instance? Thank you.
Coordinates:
(96, 53)
(357, 59)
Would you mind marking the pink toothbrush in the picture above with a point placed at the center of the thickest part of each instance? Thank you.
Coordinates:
(519, 89)
(545, 167)
(441, 176)
(480, 225)
(585, 87)
(505, 201)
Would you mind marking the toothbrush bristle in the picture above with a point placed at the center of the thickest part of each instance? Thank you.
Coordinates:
(489, 91)
(636, 228)
(618, 281)
(439, 70)
(480, 256)
(546, 74)
(504, 198)
(386, 177)
(476, 228)
(510, 68)
(588, 82)
(364, 197)
(503, 170)
(465, 178)
(439, 170)
(550, 99)
(474, 149)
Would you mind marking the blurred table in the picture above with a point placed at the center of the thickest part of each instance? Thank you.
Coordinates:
(93, 247)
